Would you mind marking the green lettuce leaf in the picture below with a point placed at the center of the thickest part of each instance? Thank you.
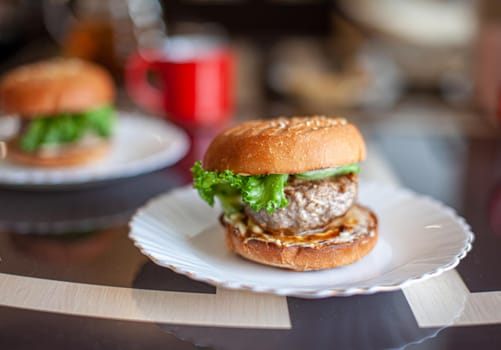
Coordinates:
(67, 128)
(261, 191)
(265, 191)
(229, 197)
(324, 173)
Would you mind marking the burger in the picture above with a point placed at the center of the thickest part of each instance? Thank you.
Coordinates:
(65, 109)
(288, 189)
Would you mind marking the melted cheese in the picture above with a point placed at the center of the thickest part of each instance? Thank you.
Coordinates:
(355, 224)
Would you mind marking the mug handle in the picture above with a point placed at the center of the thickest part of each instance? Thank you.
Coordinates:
(139, 89)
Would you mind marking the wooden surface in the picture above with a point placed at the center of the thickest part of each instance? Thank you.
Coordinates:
(225, 308)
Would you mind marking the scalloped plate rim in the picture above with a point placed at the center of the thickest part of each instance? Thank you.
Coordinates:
(314, 292)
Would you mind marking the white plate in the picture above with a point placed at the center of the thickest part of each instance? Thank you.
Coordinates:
(140, 144)
(419, 238)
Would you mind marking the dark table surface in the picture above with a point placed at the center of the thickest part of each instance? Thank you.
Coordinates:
(457, 166)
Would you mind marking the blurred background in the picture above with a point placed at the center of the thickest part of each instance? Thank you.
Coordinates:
(421, 78)
(381, 61)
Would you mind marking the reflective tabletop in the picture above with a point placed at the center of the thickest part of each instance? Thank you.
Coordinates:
(70, 277)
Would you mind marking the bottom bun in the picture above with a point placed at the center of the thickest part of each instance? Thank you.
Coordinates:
(347, 240)
(69, 155)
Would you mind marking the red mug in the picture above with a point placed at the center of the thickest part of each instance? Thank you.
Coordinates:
(195, 75)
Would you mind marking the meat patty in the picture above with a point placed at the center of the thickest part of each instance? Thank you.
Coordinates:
(312, 205)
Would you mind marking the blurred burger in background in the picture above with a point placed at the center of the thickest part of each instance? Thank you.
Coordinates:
(66, 111)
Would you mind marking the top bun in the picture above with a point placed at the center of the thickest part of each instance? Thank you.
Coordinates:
(285, 146)
(58, 85)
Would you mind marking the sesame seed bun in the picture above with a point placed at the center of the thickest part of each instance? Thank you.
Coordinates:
(285, 146)
(53, 86)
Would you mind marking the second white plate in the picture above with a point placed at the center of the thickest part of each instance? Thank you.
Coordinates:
(140, 144)
(419, 238)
